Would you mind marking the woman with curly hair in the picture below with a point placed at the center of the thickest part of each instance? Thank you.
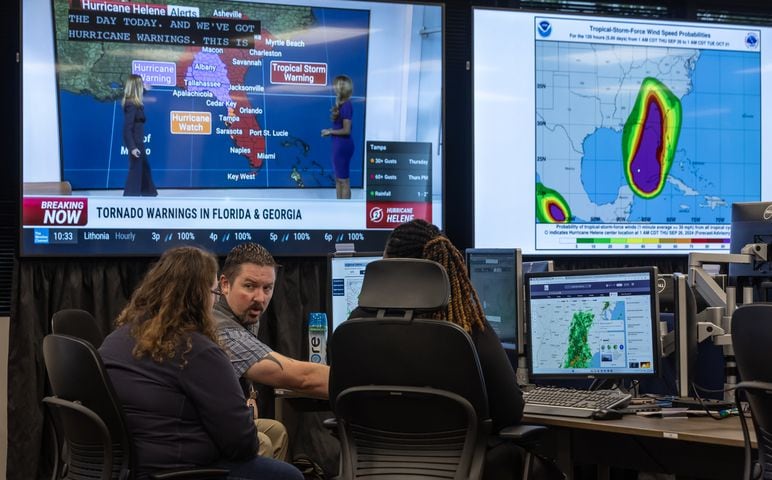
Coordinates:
(183, 404)
(421, 239)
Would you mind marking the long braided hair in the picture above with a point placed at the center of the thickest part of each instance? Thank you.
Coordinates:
(420, 239)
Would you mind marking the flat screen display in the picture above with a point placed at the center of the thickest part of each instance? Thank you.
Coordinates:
(616, 135)
(751, 225)
(239, 98)
(497, 278)
(592, 323)
(346, 274)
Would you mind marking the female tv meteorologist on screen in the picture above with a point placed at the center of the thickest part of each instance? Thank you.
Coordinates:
(139, 181)
(342, 144)
(183, 403)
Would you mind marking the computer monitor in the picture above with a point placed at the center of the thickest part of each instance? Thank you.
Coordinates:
(538, 266)
(592, 323)
(346, 273)
(686, 334)
(751, 224)
(665, 298)
(495, 274)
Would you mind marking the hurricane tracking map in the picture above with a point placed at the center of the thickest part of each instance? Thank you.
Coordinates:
(645, 134)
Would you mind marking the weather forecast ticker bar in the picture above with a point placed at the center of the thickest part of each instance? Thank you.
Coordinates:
(161, 25)
(66, 241)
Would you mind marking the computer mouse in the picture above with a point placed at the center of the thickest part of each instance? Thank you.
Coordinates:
(604, 414)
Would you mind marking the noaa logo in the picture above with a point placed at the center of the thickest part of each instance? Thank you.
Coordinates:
(376, 214)
(544, 28)
(661, 284)
(767, 212)
(752, 40)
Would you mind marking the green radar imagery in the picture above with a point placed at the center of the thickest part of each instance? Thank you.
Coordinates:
(650, 137)
(551, 207)
(578, 354)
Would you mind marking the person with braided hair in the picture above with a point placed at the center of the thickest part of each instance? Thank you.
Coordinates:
(423, 240)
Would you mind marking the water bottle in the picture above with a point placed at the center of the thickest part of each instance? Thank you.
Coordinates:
(317, 337)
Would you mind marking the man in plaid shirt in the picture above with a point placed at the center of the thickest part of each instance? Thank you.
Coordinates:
(246, 288)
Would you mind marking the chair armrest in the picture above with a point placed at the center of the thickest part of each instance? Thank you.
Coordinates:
(522, 433)
(191, 474)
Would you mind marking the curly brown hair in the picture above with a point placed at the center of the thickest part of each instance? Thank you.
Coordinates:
(173, 300)
(420, 239)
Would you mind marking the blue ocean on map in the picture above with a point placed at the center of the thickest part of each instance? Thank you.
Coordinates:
(91, 130)
(718, 158)
(616, 313)
(602, 169)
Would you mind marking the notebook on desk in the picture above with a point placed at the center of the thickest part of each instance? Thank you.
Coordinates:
(589, 324)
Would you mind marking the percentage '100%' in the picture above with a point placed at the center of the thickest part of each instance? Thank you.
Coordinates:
(302, 236)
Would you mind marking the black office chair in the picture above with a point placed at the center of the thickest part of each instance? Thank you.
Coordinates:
(408, 394)
(77, 323)
(91, 417)
(751, 338)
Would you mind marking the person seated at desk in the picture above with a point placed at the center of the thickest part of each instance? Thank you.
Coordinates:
(183, 403)
(246, 288)
(422, 240)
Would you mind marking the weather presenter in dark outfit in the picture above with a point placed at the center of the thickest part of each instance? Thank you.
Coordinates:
(139, 181)
(342, 144)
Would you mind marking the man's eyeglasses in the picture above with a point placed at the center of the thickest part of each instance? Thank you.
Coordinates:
(216, 291)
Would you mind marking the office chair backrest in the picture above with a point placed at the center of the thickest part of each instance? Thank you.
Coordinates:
(416, 353)
(408, 393)
(751, 339)
(410, 285)
(77, 375)
(77, 323)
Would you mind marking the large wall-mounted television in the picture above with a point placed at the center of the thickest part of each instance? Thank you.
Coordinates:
(616, 135)
(237, 94)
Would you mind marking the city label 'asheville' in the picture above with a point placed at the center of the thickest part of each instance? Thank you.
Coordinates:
(650, 137)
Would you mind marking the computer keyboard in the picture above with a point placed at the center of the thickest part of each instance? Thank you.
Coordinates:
(572, 403)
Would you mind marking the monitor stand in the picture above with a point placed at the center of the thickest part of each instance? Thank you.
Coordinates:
(611, 383)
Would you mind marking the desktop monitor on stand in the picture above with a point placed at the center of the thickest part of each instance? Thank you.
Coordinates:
(685, 328)
(536, 266)
(495, 275)
(752, 234)
(346, 273)
(592, 324)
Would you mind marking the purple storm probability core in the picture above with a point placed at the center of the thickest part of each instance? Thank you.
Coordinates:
(646, 167)
(556, 212)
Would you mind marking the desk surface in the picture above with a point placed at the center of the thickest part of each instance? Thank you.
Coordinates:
(726, 432)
